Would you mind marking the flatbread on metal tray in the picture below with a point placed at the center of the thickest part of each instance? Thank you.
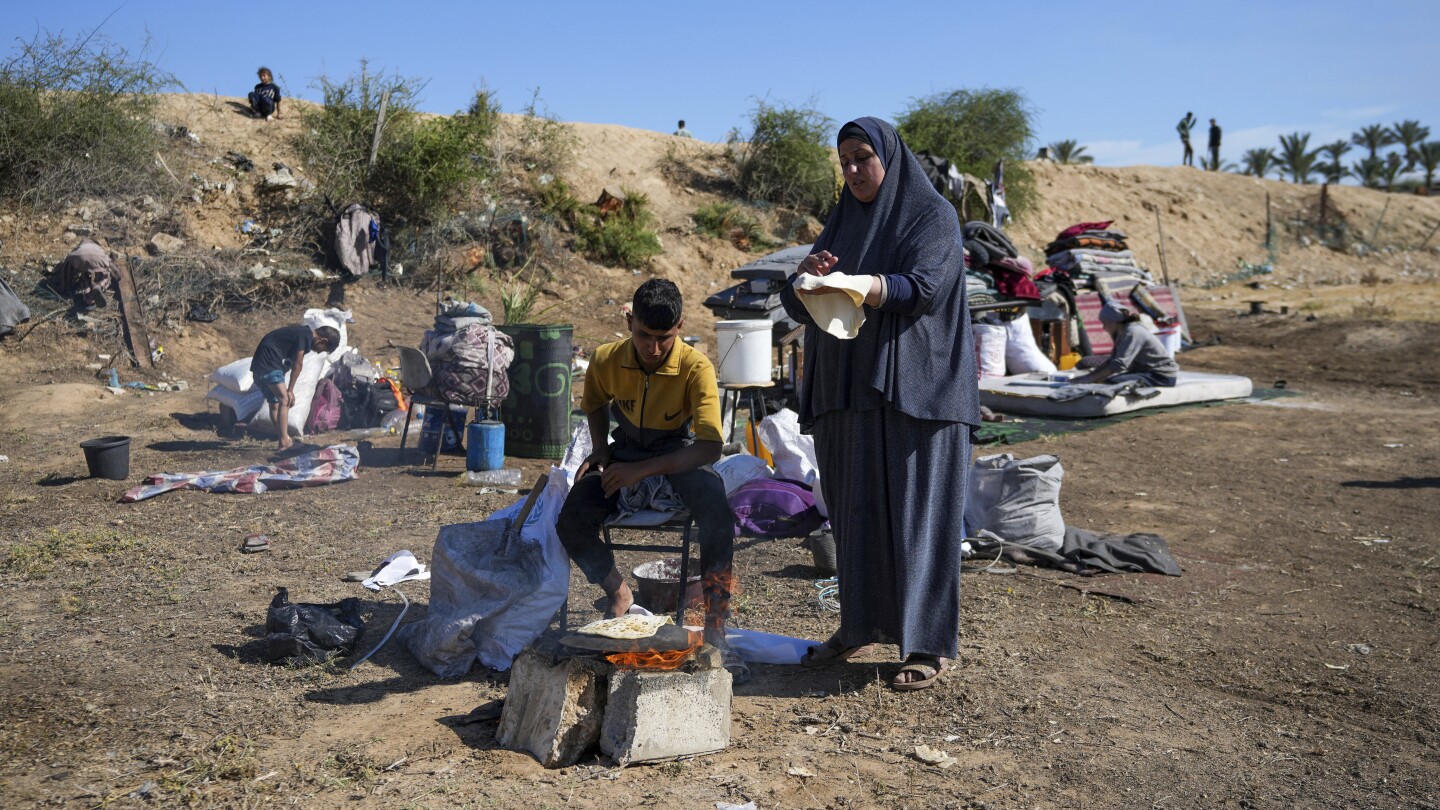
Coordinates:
(629, 626)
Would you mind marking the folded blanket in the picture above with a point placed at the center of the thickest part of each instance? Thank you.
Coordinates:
(1065, 393)
(1085, 242)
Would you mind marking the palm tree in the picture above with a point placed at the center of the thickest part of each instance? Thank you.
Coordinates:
(1394, 164)
(1368, 170)
(1374, 138)
(1223, 166)
(1069, 151)
(1259, 162)
(1409, 134)
(1428, 156)
(1334, 170)
(1295, 158)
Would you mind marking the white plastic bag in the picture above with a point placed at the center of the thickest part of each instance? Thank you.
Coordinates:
(794, 452)
(990, 344)
(1022, 353)
(235, 376)
(1017, 501)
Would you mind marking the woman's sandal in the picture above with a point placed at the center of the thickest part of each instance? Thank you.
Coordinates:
(829, 653)
(927, 667)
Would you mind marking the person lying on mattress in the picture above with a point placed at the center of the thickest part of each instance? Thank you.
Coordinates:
(1138, 355)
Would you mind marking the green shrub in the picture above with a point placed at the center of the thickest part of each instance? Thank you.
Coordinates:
(540, 143)
(423, 166)
(974, 129)
(787, 159)
(77, 120)
(624, 238)
(731, 222)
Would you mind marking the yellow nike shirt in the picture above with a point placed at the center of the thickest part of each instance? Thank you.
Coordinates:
(661, 411)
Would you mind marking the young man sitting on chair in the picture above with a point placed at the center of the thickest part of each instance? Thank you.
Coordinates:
(664, 395)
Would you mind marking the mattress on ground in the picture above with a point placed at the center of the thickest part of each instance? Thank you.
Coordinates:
(1028, 394)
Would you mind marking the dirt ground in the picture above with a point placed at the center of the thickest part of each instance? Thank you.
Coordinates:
(1293, 665)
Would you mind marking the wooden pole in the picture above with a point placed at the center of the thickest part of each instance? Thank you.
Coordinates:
(131, 318)
(1374, 232)
(1432, 233)
(1269, 225)
(1164, 265)
(379, 125)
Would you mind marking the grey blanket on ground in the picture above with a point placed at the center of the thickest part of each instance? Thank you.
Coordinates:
(1140, 390)
(1085, 552)
(1139, 553)
(12, 310)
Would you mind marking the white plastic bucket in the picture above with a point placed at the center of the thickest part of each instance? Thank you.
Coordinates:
(744, 348)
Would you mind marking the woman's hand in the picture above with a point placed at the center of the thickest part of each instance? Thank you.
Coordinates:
(818, 264)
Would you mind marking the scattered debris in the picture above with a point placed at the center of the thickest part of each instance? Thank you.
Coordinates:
(802, 772)
(934, 756)
(255, 543)
(162, 243)
(1360, 649)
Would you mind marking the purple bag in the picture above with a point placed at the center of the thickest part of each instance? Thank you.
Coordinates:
(325, 409)
(774, 507)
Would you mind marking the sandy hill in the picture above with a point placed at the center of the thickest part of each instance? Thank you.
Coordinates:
(1211, 221)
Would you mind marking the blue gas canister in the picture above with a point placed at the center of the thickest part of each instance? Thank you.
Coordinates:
(486, 443)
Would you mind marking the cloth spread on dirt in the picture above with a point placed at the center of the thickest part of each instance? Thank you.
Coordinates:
(12, 310)
(329, 465)
(1016, 430)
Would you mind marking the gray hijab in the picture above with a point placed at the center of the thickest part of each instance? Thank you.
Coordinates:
(920, 361)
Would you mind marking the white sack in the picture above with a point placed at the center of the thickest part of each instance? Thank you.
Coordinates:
(990, 344)
(740, 468)
(1022, 353)
(244, 405)
(235, 376)
(1017, 501)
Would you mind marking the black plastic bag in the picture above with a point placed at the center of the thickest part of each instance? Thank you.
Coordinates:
(311, 634)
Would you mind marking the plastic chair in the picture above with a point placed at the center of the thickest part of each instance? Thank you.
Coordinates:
(415, 375)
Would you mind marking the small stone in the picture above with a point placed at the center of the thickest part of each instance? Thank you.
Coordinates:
(163, 243)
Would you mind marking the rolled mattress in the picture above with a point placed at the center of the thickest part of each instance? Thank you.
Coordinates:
(1028, 394)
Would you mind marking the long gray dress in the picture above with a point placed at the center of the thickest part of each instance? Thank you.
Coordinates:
(892, 411)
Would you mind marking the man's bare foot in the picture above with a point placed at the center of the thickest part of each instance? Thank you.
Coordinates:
(286, 447)
(620, 601)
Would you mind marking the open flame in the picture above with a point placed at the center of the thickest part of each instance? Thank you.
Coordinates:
(656, 661)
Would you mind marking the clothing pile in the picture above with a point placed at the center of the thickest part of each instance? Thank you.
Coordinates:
(469, 358)
(988, 252)
(1088, 250)
(995, 271)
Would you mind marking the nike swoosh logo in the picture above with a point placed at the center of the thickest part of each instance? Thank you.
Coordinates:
(670, 416)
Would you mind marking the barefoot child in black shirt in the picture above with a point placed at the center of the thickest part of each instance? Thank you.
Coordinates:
(281, 350)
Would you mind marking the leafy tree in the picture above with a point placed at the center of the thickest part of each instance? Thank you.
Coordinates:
(77, 120)
(974, 129)
(1368, 169)
(1334, 170)
(1374, 138)
(1394, 164)
(1259, 162)
(787, 158)
(1295, 158)
(1428, 156)
(422, 165)
(1069, 151)
(1409, 134)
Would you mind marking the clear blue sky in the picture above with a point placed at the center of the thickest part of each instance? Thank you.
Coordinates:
(1115, 77)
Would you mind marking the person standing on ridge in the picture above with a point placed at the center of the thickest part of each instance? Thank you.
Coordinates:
(681, 131)
(1186, 124)
(1214, 146)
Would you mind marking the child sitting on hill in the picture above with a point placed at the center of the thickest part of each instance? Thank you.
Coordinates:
(265, 98)
(281, 350)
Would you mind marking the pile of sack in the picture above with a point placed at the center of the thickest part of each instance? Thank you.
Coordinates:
(336, 390)
(469, 357)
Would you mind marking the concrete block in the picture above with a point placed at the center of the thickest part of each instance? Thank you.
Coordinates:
(652, 716)
(553, 711)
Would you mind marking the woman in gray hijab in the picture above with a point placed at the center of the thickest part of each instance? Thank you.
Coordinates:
(893, 406)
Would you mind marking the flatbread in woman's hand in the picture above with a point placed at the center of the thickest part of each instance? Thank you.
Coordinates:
(629, 626)
(841, 313)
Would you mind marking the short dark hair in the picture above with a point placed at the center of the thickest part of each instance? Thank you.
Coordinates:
(330, 334)
(682, 123)
(657, 303)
